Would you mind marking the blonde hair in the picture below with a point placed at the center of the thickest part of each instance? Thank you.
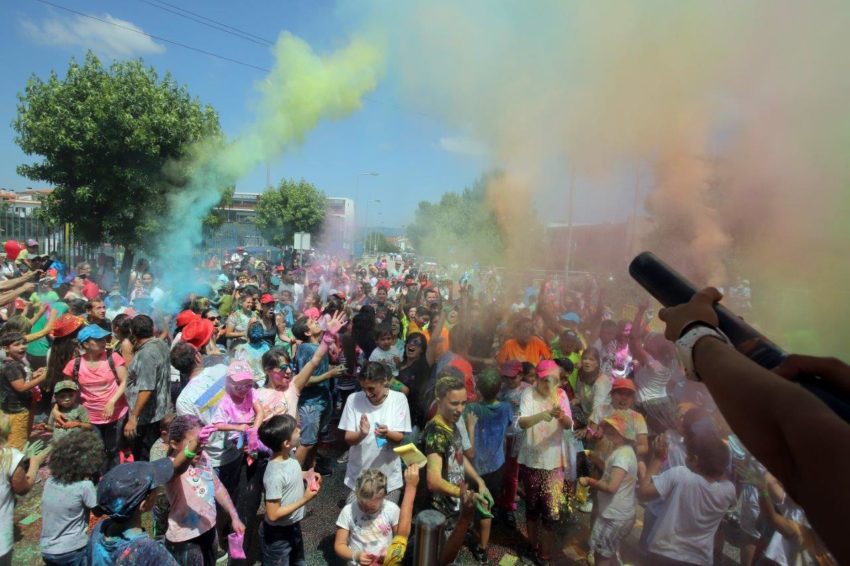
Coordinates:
(371, 483)
(5, 452)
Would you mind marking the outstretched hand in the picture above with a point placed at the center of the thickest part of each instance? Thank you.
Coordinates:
(336, 322)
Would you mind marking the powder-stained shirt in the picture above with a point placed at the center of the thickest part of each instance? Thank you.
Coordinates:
(533, 351)
(543, 445)
(150, 371)
(132, 547)
(192, 499)
(369, 533)
(443, 439)
(491, 426)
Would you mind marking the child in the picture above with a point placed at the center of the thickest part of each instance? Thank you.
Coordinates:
(616, 491)
(68, 496)
(511, 392)
(68, 404)
(447, 465)
(281, 542)
(696, 497)
(375, 420)
(123, 494)
(386, 350)
(192, 497)
(488, 421)
(14, 480)
(366, 527)
(544, 415)
(622, 399)
(238, 410)
(18, 388)
(252, 352)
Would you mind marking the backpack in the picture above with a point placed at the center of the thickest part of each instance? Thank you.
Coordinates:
(78, 360)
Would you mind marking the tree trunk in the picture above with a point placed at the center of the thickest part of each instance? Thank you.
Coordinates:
(126, 268)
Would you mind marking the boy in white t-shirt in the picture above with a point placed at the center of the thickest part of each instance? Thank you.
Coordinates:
(375, 420)
(696, 497)
(616, 491)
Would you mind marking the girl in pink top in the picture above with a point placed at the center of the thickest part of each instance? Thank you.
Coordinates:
(239, 410)
(191, 535)
(102, 383)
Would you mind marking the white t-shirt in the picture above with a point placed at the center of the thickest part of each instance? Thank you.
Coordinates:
(369, 533)
(395, 414)
(620, 505)
(388, 357)
(543, 446)
(693, 508)
(284, 481)
(651, 380)
(7, 500)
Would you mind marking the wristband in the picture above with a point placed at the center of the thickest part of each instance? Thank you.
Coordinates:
(189, 454)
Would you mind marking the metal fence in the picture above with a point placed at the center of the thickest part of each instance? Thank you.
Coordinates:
(59, 239)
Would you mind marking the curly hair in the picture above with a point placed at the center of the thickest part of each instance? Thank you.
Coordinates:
(76, 457)
(181, 425)
(371, 483)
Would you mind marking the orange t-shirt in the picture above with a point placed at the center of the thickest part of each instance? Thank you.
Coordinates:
(534, 351)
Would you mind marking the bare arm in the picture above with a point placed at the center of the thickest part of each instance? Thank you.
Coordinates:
(434, 477)
(259, 415)
(636, 337)
(303, 377)
(435, 348)
(611, 486)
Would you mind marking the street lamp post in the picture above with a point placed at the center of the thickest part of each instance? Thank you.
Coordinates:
(357, 228)
(369, 237)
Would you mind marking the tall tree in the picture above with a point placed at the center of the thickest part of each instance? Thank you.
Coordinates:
(105, 137)
(458, 228)
(294, 206)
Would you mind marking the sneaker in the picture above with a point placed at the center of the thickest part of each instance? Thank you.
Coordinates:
(480, 554)
(343, 459)
(586, 507)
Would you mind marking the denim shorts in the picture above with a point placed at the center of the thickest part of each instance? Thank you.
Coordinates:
(314, 419)
(281, 546)
(74, 558)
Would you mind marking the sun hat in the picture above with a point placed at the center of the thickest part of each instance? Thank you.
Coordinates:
(623, 383)
(66, 325)
(92, 332)
(198, 332)
(185, 317)
(546, 367)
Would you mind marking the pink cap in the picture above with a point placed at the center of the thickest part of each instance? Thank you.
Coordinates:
(546, 367)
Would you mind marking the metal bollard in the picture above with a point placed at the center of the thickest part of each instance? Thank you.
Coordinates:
(429, 538)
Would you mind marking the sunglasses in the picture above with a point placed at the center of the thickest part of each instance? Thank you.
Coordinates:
(213, 318)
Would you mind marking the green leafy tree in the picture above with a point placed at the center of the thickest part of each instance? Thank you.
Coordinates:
(106, 138)
(379, 243)
(294, 206)
(458, 228)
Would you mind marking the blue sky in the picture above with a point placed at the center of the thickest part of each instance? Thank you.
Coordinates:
(415, 155)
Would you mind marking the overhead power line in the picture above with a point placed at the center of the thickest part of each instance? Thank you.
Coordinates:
(158, 38)
(204, 21)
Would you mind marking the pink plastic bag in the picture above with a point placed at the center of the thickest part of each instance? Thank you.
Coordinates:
(234, 546)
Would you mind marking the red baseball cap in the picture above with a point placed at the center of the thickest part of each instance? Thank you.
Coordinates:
(623, 383)
(198, 332)
(185, 317)
(266, 299)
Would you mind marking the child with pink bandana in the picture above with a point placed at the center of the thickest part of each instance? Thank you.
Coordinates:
(238, 410)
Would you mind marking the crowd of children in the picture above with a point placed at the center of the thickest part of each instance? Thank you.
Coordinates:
(208, 423)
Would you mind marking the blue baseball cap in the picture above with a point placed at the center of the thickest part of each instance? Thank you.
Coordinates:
(571, 317)
(92, 332)
(124, 487)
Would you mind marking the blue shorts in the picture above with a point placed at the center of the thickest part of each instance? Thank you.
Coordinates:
(314, 419)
